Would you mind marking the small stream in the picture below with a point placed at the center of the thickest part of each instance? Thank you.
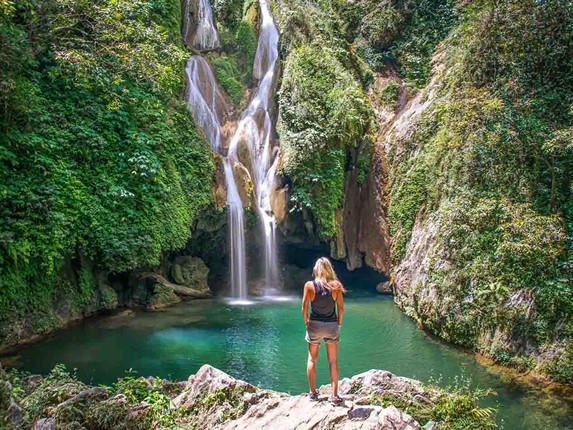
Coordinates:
(263, 343)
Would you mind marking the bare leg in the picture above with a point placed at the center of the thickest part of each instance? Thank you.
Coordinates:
(311, 365)
(332, 352)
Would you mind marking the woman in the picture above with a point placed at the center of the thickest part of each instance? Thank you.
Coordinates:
(325, 295)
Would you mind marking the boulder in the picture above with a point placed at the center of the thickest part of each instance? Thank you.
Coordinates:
(244, 183)
(14, 415)
(209, 380)
(108, 297)
(162, 298)
(143, 287)
(384, 287)
(191, 272)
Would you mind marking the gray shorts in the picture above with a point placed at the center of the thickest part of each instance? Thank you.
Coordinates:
(317, 331)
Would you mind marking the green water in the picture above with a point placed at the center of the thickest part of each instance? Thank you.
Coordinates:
(263, 343)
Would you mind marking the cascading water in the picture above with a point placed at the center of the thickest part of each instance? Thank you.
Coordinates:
(205, 37)
(236, 234)
(254, 130)
(203, 98)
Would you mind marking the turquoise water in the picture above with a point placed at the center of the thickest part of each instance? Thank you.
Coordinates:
(263, 343)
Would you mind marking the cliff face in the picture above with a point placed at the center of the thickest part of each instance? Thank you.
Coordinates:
(479, 250)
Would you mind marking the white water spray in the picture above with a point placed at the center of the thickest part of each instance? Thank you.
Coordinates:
(236, 234)
(203, 98)
(205, 37)
(255, 128)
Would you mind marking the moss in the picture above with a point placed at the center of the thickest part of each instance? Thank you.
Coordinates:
(322, 113)
(389, 94)
(228, 75)
(108, 297)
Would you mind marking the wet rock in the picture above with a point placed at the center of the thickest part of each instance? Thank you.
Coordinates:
(108, 297)
(162, 298)
(279, 203)
(244, 183)
(143, 284)
(384, 287)
(219, 186)
(190, 272)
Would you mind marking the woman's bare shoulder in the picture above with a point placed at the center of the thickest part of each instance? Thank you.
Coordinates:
(337, 285)
(309, 286)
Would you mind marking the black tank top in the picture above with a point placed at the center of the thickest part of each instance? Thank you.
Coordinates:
(323, 307)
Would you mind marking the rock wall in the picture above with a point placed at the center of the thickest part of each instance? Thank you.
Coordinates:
(87, 291)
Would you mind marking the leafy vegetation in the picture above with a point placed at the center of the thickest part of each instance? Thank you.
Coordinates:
(322, 110)
(487, 172)
(99, 158)
(234, 66)
(455, 408)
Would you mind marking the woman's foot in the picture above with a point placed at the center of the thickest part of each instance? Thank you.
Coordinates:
(313, 395)
(335, 400)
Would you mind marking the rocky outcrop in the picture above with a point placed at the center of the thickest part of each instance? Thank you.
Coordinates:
(144, 284)
(211, 399)
(190, 272)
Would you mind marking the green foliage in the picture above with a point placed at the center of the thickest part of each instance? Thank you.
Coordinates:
(96, 149)
(322, 110)
(234, 67)
(150, 391)
(487, 173)
(389, 94)
(228, 76)
(428, 22)
(456, 407)
(560, 367)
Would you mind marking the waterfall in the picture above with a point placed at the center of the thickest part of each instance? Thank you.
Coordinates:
(203, 98)
(255, 127)
(236, 234)
(206, 35)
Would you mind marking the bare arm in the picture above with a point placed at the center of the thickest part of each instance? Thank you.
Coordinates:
(306, 298)
(340, 304)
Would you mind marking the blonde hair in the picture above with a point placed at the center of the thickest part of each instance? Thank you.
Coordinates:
(323, 273)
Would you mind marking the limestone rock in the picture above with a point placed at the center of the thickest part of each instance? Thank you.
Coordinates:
(162, 298)
(281, 411)
(190, 272)
(207, 381)
(384, 287)
(143, 285)
(244, 183)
